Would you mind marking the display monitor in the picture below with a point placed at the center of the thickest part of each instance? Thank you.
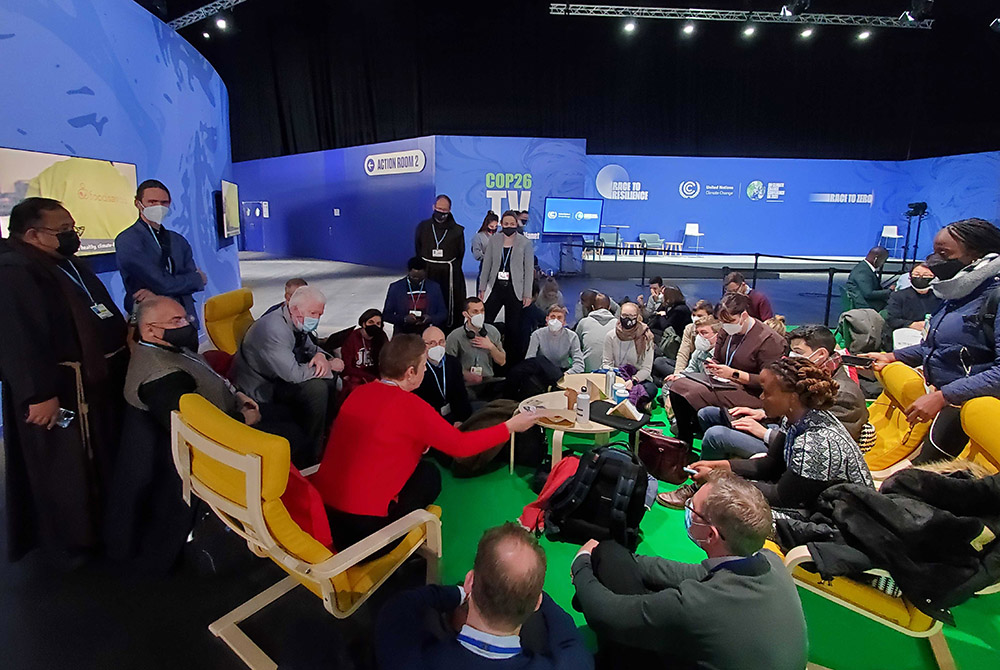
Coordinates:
(230, 209)
(573, 216)
(99, 194)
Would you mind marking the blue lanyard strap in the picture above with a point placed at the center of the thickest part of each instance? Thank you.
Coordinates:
(170, 261)
(443, 383)
(486, 646)
(78, 280)
(437, 241)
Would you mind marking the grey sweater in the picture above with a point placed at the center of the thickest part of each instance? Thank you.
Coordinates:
(742, 615)
(562, 348)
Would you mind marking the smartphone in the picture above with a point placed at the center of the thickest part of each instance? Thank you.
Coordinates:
(690, 471)
(856, 361)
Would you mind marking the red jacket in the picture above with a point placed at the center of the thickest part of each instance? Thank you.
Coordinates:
(360, 358)
(377, 440)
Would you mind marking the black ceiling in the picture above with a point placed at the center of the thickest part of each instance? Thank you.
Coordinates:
(313, 74)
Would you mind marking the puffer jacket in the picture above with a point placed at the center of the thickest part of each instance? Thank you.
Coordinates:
(957, 358)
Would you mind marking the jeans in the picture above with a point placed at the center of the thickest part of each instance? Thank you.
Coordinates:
(723, 443)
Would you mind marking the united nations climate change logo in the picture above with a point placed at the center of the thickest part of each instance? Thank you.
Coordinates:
(755, 190)
(689, 189)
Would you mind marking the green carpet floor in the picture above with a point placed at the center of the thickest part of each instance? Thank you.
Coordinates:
(838, 638)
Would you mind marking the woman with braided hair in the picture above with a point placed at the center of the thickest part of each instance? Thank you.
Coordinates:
(810, 451)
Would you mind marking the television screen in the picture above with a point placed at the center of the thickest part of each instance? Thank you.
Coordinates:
(230, 209)
(573, 216)
(99, 194)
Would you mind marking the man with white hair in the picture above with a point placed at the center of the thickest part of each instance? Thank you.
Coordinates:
(279, 363)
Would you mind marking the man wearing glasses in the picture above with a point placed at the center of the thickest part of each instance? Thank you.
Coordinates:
(63, 358)
(736, 609)
(154, 260)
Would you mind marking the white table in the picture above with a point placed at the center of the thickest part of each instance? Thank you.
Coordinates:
(557, 400)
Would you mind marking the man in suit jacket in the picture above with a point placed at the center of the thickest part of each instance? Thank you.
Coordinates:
(444, 386)
(863, 287)
(500, 604)
(154, 260)
(652, 612)
(278, 362)
(414, 302)
(505, 282)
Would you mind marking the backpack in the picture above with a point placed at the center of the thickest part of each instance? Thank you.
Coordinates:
(604, 500)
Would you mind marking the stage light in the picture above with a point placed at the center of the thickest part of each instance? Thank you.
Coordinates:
(919, 11)
(749, 31)
(629, 27)
(995, 26)
(806, 34)
(864, 34)
(205, 35)
(688, 28)
(221, 24)
(794, 8)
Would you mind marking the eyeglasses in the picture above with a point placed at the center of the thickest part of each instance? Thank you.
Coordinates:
(177, 321)
(689, 506)
(55, 231)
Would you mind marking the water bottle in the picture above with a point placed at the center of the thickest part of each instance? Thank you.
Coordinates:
(65, 417)
(583, 406)
(609, 383)
(927, 326)
(621, 394)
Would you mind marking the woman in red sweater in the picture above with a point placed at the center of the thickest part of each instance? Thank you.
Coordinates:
(360, 352)
(372, 473)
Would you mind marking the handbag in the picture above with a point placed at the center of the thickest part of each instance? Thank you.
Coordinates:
(665, 457)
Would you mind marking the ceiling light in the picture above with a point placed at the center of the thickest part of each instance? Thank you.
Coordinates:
(749, 31)
(864, 34)
(688, 28)
(205, 35)
(794, 8)
(630, 26)
(806, 34)
(221, 24)
(919, 10)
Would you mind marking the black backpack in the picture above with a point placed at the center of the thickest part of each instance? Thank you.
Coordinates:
(604, 500)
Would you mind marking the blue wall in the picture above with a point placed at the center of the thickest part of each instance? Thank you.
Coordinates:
(150, 97)
(378, 214)
(105, 79)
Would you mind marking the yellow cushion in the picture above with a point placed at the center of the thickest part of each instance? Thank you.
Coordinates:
(979, 421)
(902, 383)
(895, 437)
(227, 318)
(217, 426)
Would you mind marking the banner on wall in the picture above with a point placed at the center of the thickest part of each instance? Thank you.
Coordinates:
(99, 194)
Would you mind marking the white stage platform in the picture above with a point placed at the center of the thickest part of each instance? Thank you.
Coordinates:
(691, 266)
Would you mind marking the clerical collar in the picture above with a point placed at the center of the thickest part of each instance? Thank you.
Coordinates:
(494, 647)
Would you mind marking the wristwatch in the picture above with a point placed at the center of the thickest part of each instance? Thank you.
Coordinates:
(736, 374)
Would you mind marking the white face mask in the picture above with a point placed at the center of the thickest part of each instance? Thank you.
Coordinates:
(555, 325)
(435, 354)
(702, 343)
(477, 320)
(155, 213)
(732, 328)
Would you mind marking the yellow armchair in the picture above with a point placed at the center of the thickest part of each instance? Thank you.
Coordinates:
(227, 318)
(241, 473)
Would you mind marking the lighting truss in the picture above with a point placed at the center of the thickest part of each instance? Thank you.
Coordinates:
(211, 9)
(669, 13)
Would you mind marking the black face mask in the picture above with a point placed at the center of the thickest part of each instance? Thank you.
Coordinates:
(628, 322)
(372, 330)
(440, 217)
(183, 337)
(69, 243)
(510, 231)
(944, 268)
(920, 282)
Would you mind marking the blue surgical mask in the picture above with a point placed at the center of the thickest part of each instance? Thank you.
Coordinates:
(688, 522)
(309, 324)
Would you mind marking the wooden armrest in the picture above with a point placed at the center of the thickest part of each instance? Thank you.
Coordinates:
(310, 471)
(797, 556)
(359, 551)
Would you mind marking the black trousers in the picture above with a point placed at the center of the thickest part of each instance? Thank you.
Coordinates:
(419, 491)
(280, 420)
(616, 568)
(312, 403)
(946, 439)
(502, 296)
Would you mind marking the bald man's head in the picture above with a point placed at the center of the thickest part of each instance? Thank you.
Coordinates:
(433, 336)
(602, 301)
(505, 584)
(156, 314)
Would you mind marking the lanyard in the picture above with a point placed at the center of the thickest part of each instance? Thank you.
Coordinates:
(443, 383)
(413, 300)
(78, 280)
(389, 383)
(170, 261)
(505, 258)
(434, 232)
(197, 359)
(729, 343)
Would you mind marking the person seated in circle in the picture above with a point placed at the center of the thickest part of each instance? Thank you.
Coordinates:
(707, 331)
(631, 343)
(742, 350)
(372, 473)
(701, 309)
(759, 306)
(810, 450)
(909, 306)
(556, 343)
(360, 351)
(443, 387)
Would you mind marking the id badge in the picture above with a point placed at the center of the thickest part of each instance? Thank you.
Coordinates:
(477, 370)
(417, 313)
(437, 253)
(100, 310)
(503, 276)
(446, 409)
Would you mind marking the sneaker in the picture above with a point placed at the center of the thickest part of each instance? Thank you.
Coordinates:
(676, 499)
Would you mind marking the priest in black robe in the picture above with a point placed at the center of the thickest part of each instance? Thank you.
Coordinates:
(63, 348)
(441, 242)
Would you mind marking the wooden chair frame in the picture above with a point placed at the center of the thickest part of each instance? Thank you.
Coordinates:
(248, 522)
